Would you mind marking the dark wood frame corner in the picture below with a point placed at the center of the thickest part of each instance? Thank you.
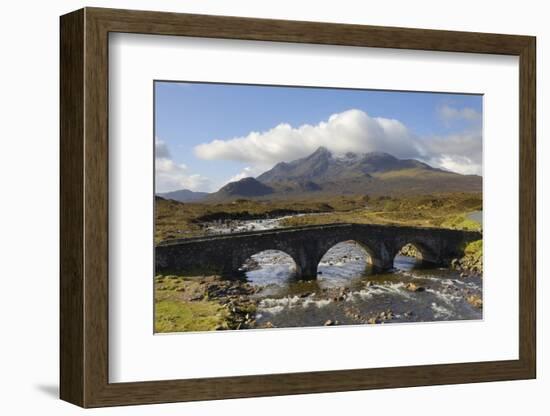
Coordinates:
(84, 207)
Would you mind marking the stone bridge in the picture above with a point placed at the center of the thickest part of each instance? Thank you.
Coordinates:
(226, 253)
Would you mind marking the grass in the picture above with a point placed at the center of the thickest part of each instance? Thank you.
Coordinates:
(179, 316)
(175, 311)
(461, 222)
(202, 303)
(182, 220)
(474, 247)
(474, 250)
(449, 211)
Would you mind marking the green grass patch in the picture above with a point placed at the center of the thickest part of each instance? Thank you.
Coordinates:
(474, 249)
(180, 316)
(461, 222)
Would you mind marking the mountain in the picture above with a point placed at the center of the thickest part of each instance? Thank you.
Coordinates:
(323, 173)
(184, 195)
(244, 188)
(353, 173)
(322, 166)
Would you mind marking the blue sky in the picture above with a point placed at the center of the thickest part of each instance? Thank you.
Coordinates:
(209, 134)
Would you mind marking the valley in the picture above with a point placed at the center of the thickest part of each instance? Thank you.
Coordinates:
(175, 219)
(320, 189)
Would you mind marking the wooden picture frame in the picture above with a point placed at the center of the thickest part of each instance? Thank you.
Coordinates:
(84, 207)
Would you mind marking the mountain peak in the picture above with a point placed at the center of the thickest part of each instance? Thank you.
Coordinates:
(321, 152)
(246, 187)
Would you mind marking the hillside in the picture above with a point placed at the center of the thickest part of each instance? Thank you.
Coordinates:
(244, 188)
(372, 173)
(184, 195)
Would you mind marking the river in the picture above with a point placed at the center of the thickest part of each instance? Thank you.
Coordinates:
(476, 216)
(347, 291)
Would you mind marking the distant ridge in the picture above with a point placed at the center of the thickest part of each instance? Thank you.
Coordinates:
(184, 195)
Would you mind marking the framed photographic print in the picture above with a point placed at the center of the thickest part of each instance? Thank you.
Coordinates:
(255, 207)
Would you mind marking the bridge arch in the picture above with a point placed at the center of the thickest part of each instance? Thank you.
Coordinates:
(379, 256)
(347, 251)
(269, 265)
(241, 256)
(407, 257)
(424, 250)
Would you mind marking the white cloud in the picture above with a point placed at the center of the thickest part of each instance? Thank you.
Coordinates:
(449, 114)
(247, 172)
(350, 131)
(459, 164)
(171, 176)
(459, 152)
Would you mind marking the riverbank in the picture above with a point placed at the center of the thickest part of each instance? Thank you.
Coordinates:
(202, 304)
(175, 219)
(341, 295)
(472, 261)
(184, 220)
(432, 213)
(345, 292)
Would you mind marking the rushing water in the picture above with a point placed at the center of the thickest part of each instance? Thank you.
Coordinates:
(348, 292)
(236, 226)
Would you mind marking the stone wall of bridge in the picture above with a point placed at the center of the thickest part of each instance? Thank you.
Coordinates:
(225, 254)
